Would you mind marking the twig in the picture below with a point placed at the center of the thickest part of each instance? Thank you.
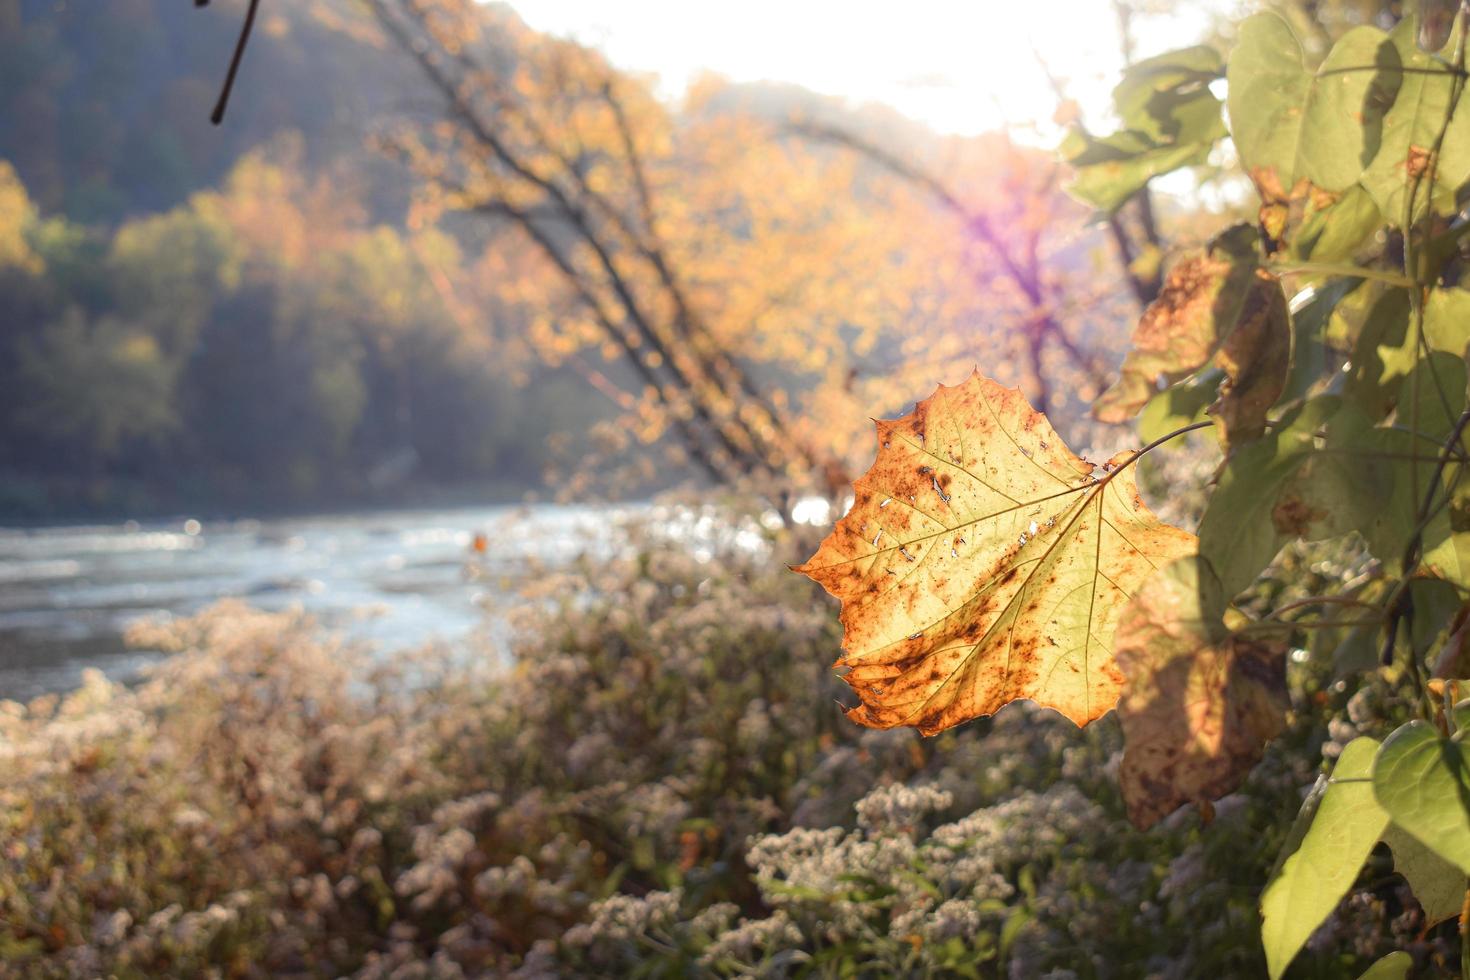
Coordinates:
(218, 115)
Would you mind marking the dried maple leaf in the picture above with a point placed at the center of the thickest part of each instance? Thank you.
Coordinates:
(983, 562)
(1200, 702)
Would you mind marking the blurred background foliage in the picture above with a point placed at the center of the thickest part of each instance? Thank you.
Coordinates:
(280, 313)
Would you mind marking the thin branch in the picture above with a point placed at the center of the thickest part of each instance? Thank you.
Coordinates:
(725, 432)
(1026, 280)
(218, 115)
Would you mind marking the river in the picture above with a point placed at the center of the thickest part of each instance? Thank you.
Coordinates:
(68, 593)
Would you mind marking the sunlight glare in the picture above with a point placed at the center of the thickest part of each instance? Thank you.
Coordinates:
(960, 68)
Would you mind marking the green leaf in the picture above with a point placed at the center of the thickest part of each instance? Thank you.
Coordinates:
(1438, 886)
(1259, 503)
(1167, 97)
(1344, 116)
(1382, 345)
(1423, 782)
(1394, 966)
(1336, 231)
(1268, 86)
(1299, 827)
(1313, 880)
(1433, 396)
(1292, 124)
(1312, 308)
(1388, 524)
(1435, 603)
(1112, 169)
(1411, 126)
(1170, 119)
(1183, 404)
(1447, 320)
(1339, 488)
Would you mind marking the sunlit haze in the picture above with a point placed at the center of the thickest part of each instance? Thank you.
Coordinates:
(959, 67)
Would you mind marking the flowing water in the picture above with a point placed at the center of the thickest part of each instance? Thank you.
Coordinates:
(68, 593)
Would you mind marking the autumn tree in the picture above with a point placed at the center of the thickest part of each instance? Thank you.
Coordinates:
(580, 159)
(1014, 235)
(733, 272)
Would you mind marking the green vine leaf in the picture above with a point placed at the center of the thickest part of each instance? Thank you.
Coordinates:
(1179, 405)
(1244, 526)
(1432, 397)
(1368, 117)
(1305, 137)
(1314, 879)
(1394, 966)
(1335, 227)
(1438, 885)
(1411, 126)
(1199, 703)
(1423, 782)
(1268, 86)
(1382, 347)
(1388, 527)
(1170, 119)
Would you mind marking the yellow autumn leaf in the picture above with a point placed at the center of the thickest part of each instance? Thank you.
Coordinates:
(984, 562)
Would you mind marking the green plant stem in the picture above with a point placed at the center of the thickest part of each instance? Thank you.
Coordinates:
(1343, 271)
(1138, 453)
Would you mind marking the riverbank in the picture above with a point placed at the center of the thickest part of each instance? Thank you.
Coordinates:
(658, 780)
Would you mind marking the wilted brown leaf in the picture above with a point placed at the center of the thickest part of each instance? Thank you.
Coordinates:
(1217, 304)
(1199, 703)
(1256, 358)
(983, 562)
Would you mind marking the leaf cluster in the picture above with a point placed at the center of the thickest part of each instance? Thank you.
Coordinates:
(1325, 345)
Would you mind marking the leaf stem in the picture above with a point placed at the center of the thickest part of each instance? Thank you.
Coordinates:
(1345, 271)
(1138, 453)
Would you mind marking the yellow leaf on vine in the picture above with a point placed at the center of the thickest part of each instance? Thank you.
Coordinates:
(984, 562)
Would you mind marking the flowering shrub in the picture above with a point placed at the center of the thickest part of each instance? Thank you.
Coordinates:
(659, 784)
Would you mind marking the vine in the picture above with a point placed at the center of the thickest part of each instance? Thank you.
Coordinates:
(983, 562)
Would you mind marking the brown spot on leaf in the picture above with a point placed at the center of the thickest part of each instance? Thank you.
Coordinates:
(1294, 518)
(1417, 163)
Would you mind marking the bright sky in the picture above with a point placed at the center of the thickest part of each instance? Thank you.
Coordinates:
(961, 66)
